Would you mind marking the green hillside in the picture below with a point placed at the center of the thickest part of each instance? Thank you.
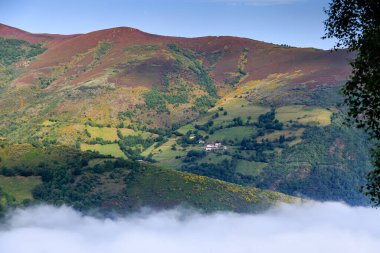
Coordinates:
(12, 51)
(93, 120)
(304, 153)
(91, 181)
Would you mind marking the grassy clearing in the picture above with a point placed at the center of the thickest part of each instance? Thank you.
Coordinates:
(149, 150)
(286, 133)
(242, 108)
(108, 149)
(127, 131)
(295, 142)
(105, 133)
(186, 128)
(48, 123)
(21, 154)
(19, 187)
(250, 168)
(233, 133)
(236, 108)
(165, 147)
(304, 115)
(165, 151)
(166, 156)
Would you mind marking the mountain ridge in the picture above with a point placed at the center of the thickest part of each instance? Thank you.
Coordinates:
(63, 50)
(15, 33)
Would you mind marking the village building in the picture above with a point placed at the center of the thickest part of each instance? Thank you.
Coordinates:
(214, 146)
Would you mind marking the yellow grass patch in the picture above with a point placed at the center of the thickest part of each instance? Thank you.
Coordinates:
(304, 115)
(286, 133)
(184, 129)
(48, 123)
(295, 142)
(105, 133)
(68, 134)
(256, 88)
(235, 108)
(108, 149)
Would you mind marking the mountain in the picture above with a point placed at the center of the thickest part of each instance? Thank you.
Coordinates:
(132, 95)
(122, 64)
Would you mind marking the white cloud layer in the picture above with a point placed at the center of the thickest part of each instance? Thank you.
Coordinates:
(312, 228)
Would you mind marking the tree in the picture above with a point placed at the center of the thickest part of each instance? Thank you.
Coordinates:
(356, 25)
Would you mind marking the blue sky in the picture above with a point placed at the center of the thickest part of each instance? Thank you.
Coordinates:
(294, 22)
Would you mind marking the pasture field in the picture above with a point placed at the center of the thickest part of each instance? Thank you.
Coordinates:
(233, 134)
(48, 123)
(304, 115)
(244, 109)
(105, 133)
(236, 108)
(165, 155)
(165, 151)
(296, 133)
(107, 149)
(149, 150)
(19, 187)
(26, 155)
(186, 128)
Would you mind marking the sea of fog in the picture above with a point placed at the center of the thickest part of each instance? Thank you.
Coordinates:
(311, 227)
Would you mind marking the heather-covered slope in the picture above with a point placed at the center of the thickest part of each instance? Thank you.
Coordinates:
(161, 81)
(15, 33)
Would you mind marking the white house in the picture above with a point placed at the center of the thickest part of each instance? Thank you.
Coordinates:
(214, 146)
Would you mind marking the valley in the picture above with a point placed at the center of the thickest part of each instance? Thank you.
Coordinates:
(120, 119)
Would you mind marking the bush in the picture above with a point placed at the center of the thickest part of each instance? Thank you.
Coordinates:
(155, 100)
(8, 172)
(13, 50)
(44, 82)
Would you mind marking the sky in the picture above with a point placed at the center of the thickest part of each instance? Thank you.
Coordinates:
(293, 22)
(310, 227)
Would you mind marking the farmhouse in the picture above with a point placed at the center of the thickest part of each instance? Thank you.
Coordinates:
(214, 146)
